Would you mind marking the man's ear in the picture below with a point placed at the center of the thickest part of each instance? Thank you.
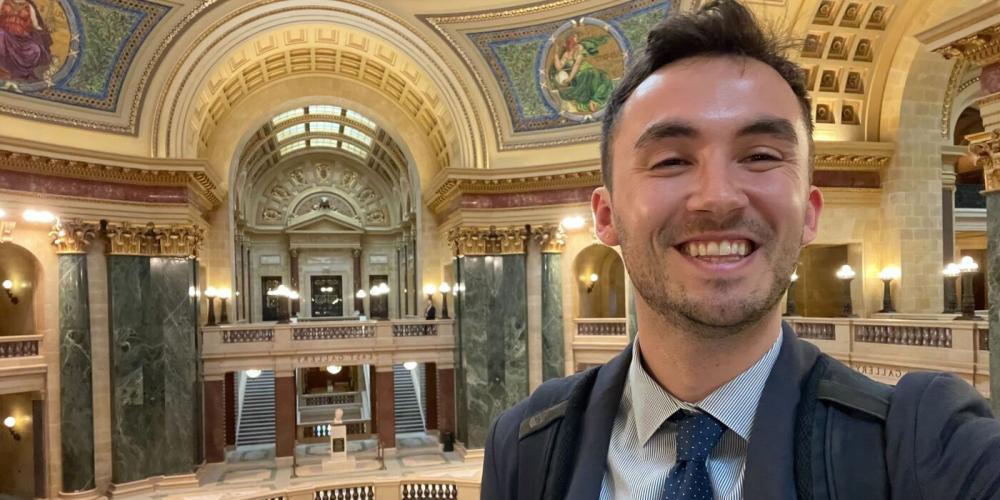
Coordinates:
(814, 206)
(604, 223)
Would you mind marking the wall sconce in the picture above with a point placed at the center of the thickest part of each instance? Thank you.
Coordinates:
(8, 285)
(593, 281)
(790, 309)
(846, 274)
(444, 289)
(9, 423)
(224, 295)
(887, 275)
(951, 273)
(211, 294)
(968, 267)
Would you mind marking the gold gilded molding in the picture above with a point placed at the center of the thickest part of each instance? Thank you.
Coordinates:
(852, 162)
(149, 240)
(982, 48)
(986, 147)
(198, 181)
(550, 237)
(488, 240)
(949, 96)
(73, 236)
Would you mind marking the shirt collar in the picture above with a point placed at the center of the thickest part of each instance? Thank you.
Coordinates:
(734, 404)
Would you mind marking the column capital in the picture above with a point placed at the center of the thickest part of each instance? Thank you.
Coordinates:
(491, 240)
(986, 147)
(550, 237)
(73, 237)
(149, 240)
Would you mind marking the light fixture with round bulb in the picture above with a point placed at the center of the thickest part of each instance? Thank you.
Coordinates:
(9, 422)
(3, 213)
(334, 369)
(38, 216)
(211, 292)
(410, 365)
(8, 284)
(968, 265)
(253, 373)
(845, 272)
(225, 294)
(889, 274)
(361, 294)
(429, 289)
(795, 277)
(952, 270)
(445, 287)
(573, 222)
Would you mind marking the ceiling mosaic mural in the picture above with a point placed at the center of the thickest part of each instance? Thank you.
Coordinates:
(74, 52)
(559, 73)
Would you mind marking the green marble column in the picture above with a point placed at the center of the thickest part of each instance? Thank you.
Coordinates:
(76, 390)
(993, 275)
(153, 367)
(553, 336)
(493, 341)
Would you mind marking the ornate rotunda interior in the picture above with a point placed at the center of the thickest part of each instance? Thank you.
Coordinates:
(290, 249)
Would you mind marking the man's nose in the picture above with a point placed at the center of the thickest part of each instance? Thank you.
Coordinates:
(717, 189)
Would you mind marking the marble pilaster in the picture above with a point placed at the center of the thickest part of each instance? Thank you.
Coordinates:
(553, 336)
(386, 410)
(493, 349)
(284, 415)
(215, 421)
(75, 375)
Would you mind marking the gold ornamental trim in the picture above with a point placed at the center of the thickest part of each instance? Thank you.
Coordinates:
(851, 162)
(986, 148)
(198, 181)
(982, 48)
(73, 237)
(488, 240)
(150, 240)
(550, 237)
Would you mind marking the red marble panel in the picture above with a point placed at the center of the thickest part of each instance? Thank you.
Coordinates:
(284, 416)
(215, 420)
(385, 393)
(520, 200)
(79, 188)
(230, 409)
(989, 81)
(431, 397)
(446, 399)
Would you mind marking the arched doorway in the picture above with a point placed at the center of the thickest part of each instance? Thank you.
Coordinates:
(600, 283)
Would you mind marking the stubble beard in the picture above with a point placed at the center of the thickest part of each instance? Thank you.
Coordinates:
(715, 312)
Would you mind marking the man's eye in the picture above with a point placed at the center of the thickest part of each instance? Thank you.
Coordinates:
(670, 162)
(761, 157)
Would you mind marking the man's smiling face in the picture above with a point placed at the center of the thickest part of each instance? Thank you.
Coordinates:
(712, 202)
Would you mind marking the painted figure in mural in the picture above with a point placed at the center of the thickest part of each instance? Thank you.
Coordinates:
(578, 81)
(25, 41)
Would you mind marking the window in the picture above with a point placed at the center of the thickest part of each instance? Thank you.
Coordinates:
(292, 131)
(323, 143)
(288, 115)
(357, 134)
(354, 115)
(293, 147)
(351, 148)
(333, 128)
(325, 110)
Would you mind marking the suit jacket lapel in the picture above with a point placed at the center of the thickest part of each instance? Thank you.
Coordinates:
(595, 433)
(770, 472)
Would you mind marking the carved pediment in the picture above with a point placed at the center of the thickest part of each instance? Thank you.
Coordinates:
(324, 222)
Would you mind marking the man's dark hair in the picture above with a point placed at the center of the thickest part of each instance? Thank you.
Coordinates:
(719, 28)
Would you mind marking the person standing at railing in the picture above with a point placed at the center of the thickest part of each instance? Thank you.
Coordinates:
(706, 160)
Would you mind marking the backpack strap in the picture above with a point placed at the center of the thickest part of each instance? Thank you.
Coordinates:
(840, 435)
(547, 443)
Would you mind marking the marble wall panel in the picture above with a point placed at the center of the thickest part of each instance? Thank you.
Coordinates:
(493, 331)
(75, 375)
(155, 409)
(993, 271)
(553, 336)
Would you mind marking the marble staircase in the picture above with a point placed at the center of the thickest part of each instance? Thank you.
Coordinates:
(256, 424)
(409, 417)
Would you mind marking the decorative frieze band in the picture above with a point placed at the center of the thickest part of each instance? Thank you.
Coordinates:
(170, 241)
(981, 48)
(73, 237)
(550, 237)
(488, 240)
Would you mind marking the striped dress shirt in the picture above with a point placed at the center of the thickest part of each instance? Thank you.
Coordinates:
(643, 444)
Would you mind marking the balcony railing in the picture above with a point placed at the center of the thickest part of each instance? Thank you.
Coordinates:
(20, 346)
(321, 343)
(597, 340)
(399, 488)
(600, 326)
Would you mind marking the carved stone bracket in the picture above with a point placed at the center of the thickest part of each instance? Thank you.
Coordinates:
(981, 48)
(986, 148)
(171, 241)
(73, 237)
(550, 237)
(488, 240)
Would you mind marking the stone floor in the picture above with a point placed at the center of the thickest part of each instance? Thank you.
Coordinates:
(252, 470)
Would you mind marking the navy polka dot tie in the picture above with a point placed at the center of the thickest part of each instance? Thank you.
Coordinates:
(697, 435)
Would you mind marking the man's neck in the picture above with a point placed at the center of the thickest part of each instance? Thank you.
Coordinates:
(689, 365)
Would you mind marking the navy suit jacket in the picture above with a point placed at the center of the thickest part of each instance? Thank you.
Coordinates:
(942, 441)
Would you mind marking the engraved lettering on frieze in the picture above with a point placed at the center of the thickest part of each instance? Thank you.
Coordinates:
(879, 371)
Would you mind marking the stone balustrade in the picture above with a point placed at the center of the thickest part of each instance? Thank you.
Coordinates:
(384, 488)
(320, 343)
(330, 398)
(598, 340)
(20, 346)
(600, 326)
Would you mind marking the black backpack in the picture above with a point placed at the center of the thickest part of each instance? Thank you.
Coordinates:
(840, 415)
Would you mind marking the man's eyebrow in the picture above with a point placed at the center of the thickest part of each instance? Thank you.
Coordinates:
(666, 130)
(780, 128)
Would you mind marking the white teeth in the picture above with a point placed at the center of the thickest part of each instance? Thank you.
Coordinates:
(739, 248)
(725, 248)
